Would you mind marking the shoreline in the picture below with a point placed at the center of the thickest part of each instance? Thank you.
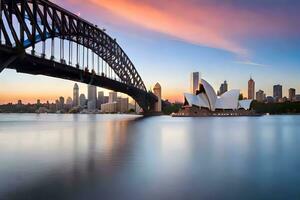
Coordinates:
(171, 115)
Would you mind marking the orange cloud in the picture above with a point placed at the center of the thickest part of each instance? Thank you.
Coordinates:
(211, 25)
(174, 20)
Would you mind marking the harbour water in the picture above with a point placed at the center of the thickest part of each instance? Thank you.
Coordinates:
(49, 156)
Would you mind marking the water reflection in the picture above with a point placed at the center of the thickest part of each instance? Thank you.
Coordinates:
(125, 157)
(64, 157)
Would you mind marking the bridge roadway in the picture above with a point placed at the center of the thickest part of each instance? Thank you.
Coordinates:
(34, 65)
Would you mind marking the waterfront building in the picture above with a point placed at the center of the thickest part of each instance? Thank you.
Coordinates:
(75, 95)
(109, 107)
(106, 98)
(92, 98)
(82, 100)
(292, 94)
(122, 105)
(194, 82)
(157, 92)
(112, 105)
(251, 89)
(19, 102)
(57, 105)
(223, 88)
(112, 97)
(260, 96)
(52, 107)
(60, 103)
(207, 99)
(69, 103)
(283, 99)
(297, 98)
(277, 92)
(118, 106)
(100, 99)
(38, 102)
(270, 99)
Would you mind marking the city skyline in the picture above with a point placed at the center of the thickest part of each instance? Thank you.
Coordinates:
(96, 102)
(267, 49)
(75, 90)
(106, 92)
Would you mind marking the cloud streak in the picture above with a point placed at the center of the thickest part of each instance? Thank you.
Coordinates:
(220, 26)
(251, 63)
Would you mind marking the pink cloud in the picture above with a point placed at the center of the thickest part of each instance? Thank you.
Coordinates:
(216, 26)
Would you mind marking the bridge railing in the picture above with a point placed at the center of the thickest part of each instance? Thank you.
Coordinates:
(96, 65)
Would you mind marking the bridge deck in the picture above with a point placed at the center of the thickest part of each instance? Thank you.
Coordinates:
(30, 64)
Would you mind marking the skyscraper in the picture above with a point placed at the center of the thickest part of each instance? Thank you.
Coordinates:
(112, 97)
(69, 103)
(223, 88)
(194, 82)
(277, 92)
(82, 100)
(251, 89)
(122, 105)
(61, 103)
(260, 96)
(57, 105)
(292, 94)
(100, 99)
(157, 92)
(92, 97)
(75, 95)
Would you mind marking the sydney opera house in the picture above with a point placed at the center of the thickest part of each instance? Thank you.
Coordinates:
(206, 101)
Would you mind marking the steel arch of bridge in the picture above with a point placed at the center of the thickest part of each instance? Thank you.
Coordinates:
(48, 20)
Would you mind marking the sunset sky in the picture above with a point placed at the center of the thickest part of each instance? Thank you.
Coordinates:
(167, 40)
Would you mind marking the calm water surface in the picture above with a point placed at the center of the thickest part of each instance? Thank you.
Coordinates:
(128, 157)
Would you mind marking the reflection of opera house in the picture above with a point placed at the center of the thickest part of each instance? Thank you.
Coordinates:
(206, 102)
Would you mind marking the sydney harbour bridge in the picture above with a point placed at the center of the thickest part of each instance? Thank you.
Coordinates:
(39, 37)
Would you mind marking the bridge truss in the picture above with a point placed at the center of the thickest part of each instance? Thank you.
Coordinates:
(29, 24)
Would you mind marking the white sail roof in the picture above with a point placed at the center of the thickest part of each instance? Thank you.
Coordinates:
(203, 101)
(191, 99)
(245, 104)
(228, 100)
(197, 100)
(211, 94)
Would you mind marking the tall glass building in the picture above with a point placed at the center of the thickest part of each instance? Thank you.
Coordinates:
(92, 97)
(251, 89)
(75, 95)
(194, 84)
(277, 91)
